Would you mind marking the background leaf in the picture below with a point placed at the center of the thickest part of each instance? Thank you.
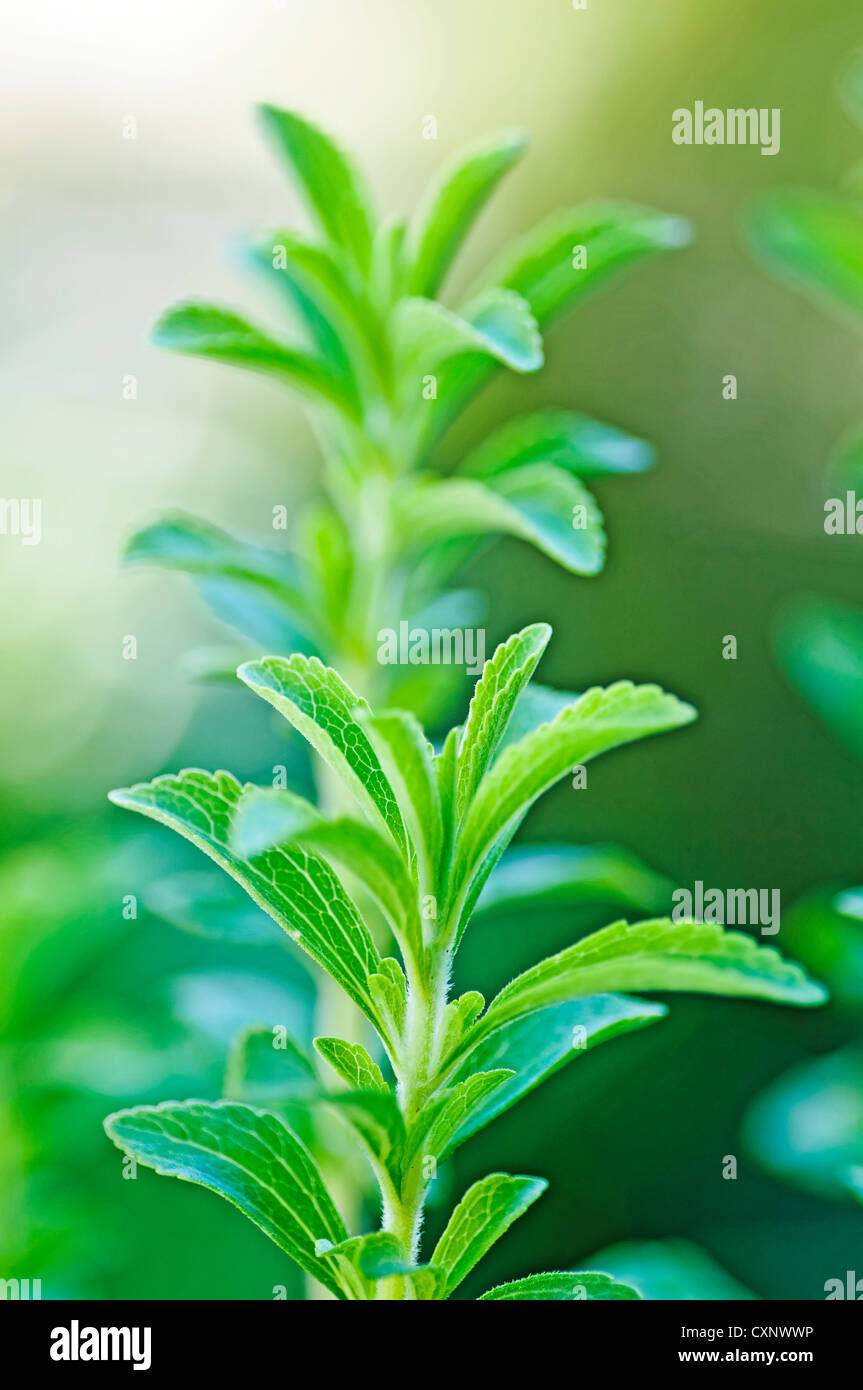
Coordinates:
(807, 1126)
(812, 242)
(316, 700)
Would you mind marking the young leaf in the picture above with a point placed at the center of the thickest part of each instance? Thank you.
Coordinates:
(332, 187)
(323, 275)
(455, 1110)
(352, 1063)
(388, 989)
(453, 202)
(539, 504)
(317, 329)
(458, 1016)
(250, 1158)
(205, 330)
(585, 447)
(502, 681)
(330, 282)
(406, 757)
(499, 325)
(380, 1256)
(536, 1045)
(569, 1285)
(296, 888)
(323, 708)
(694, 957)
(485, 1212)
(599, 720)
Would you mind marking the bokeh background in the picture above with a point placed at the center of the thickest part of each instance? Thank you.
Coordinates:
(99, 234)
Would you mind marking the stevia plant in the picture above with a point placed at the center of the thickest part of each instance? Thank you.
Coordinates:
(426, 832)
(385, 369)
(405, 838)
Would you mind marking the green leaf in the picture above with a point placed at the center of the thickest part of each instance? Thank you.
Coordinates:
(337, 292)
(458, 1017)
(539, 504)
(538, 1044)
(250, 1158)
(352, 1063)
(498, 325)
(615, 235)
(506, 329)
(812, 242)
(406, 757)
(453, 203)
(584, 446)
(502, 681)
(266, 1067)
(323, 708)
(531, 876)
(268, 817)
(297, 889)
(389, 992)
(438, 1131)
(695, 957)
(332, 187)
(820, 646)
(251, 588)
(559, 1286)
(484, 1214)
(599, 720)
(205, 330)
(317, 329)
(807, 1126)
